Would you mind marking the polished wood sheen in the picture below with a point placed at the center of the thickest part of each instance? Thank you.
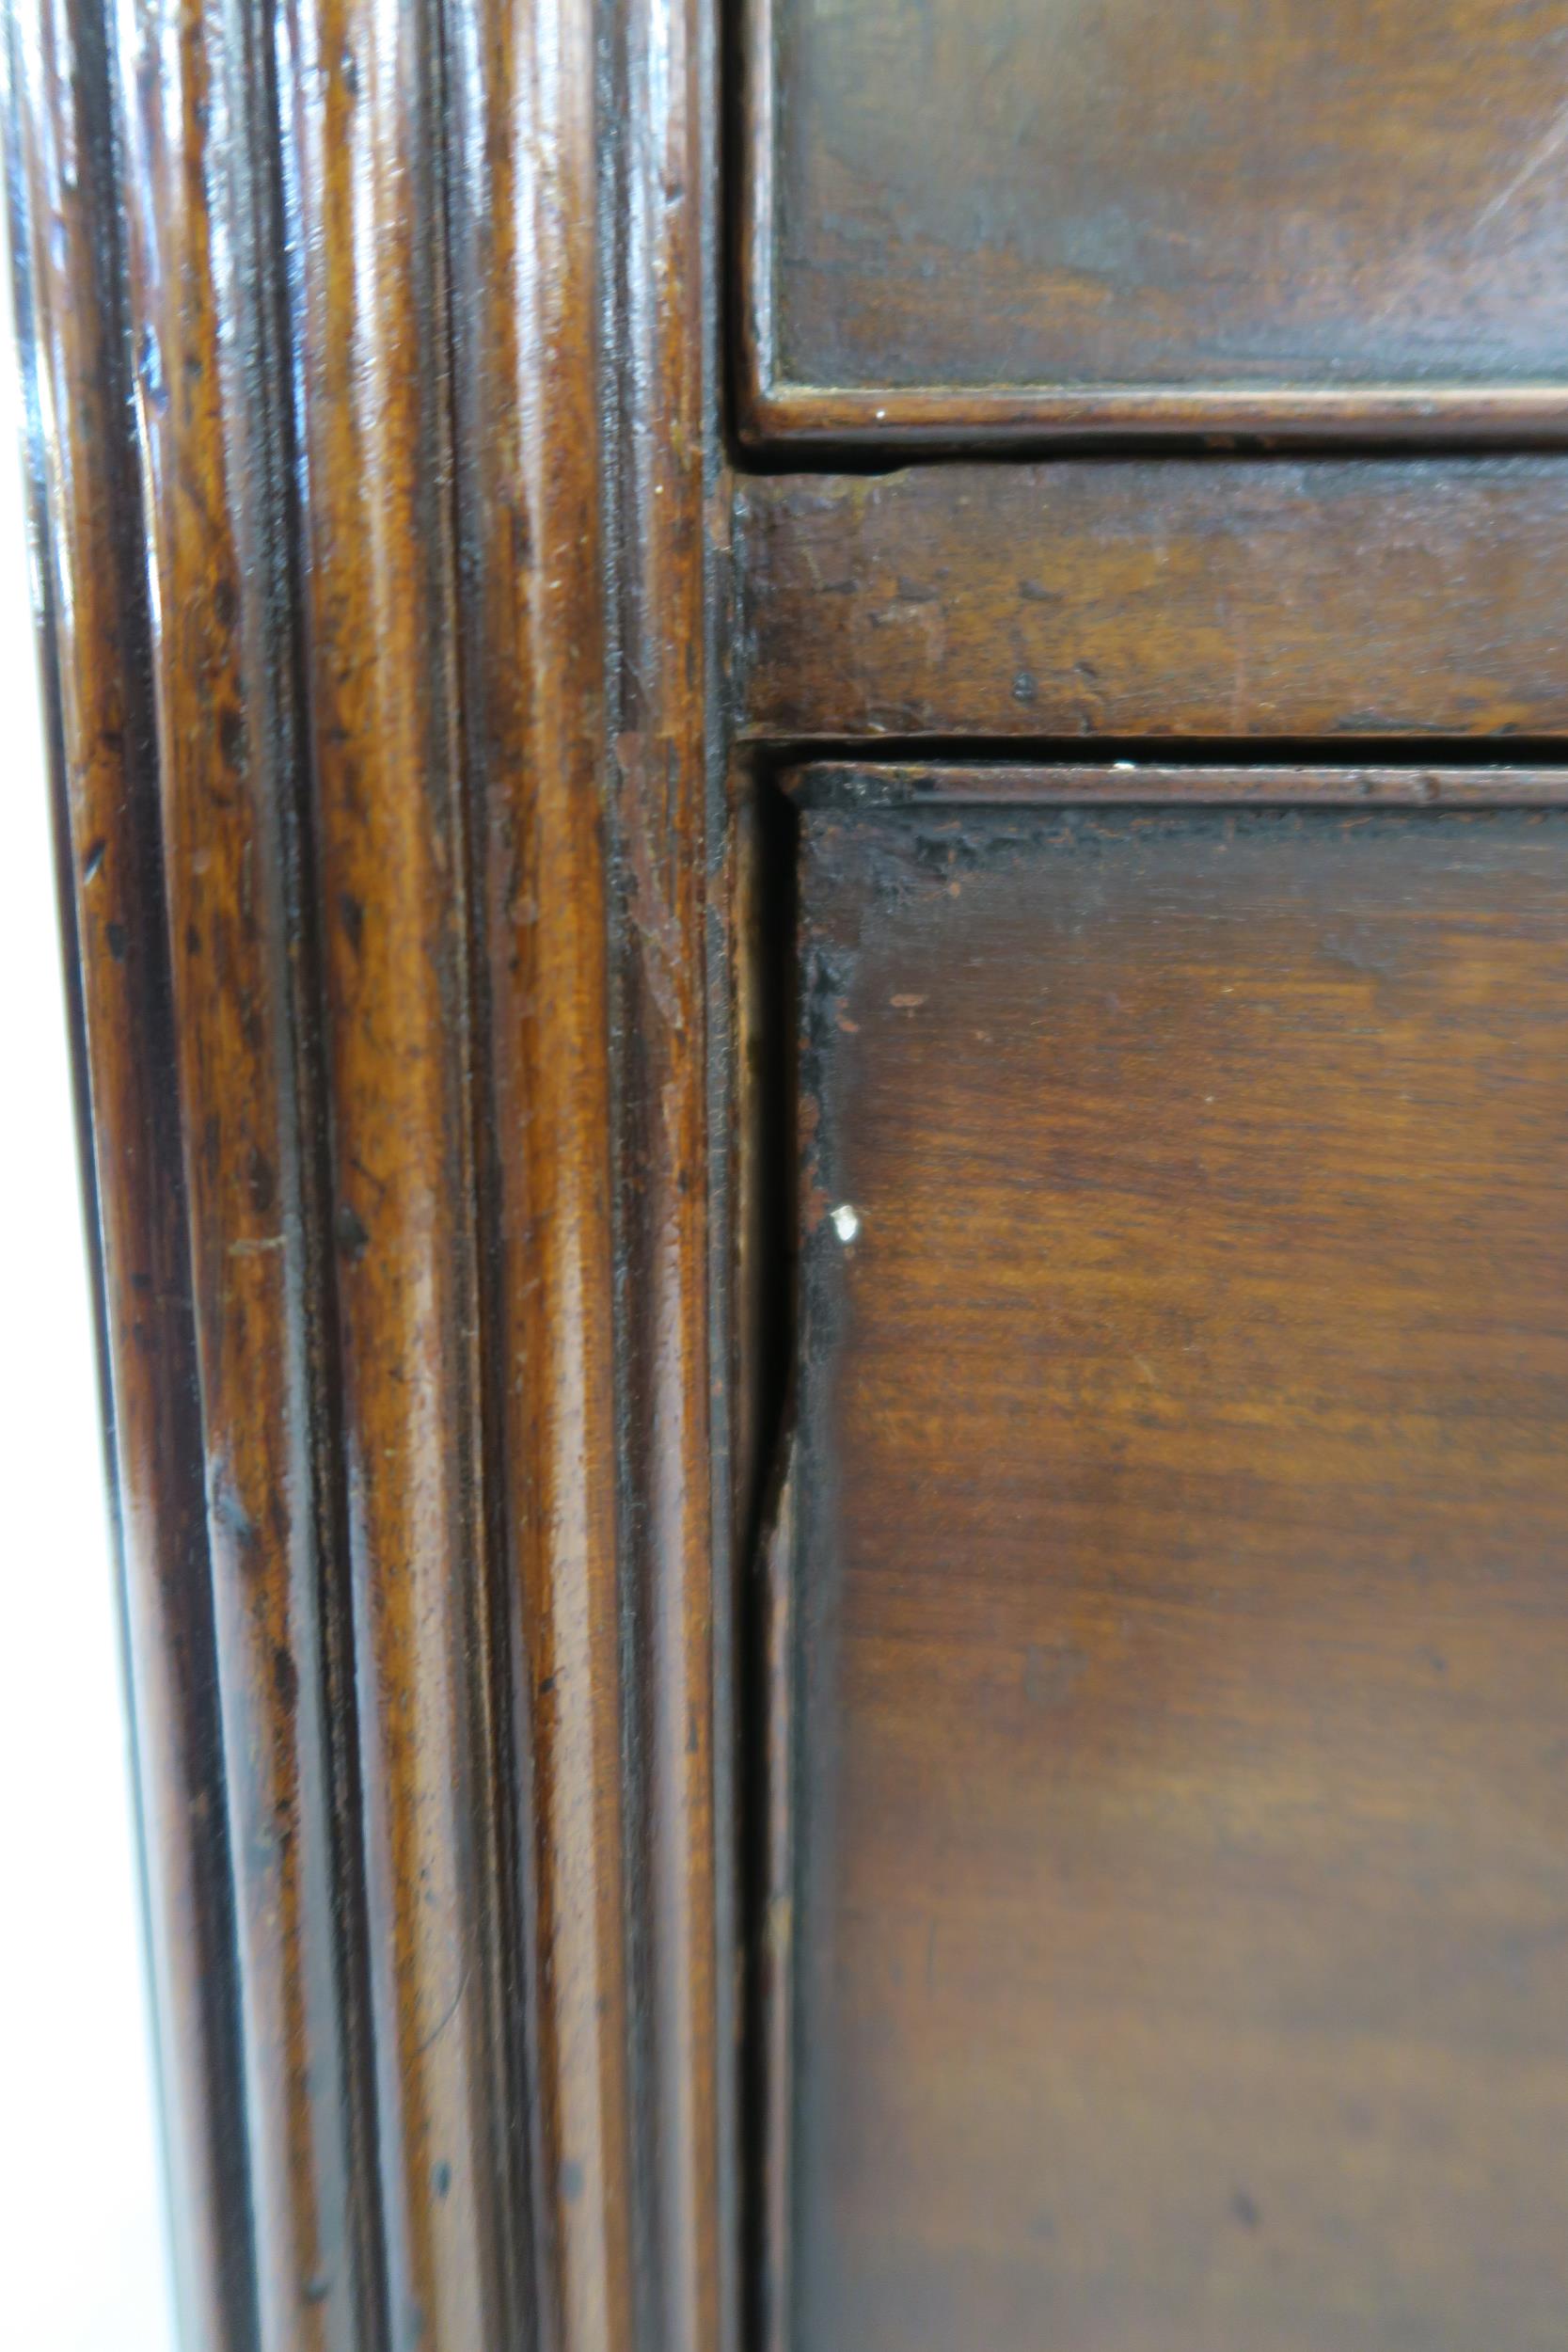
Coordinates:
(375, 483)
(91, 583)
(1183, 1523)
(1281, 217)
(719, 1777)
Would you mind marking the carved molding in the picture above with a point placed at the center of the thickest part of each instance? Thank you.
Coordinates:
(372, 493)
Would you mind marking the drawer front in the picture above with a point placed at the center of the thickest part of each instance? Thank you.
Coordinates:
(1180, 1863)
(1293, 216)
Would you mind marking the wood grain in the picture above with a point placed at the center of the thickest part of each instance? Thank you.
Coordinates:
(532, 497)
(391, 711)
(94, 637)
(1182, 1885)
(1200, 599)
(669, 691)
(587, 452)
(421, 674)
(360, 158)
(1293, 220)
(204, 321)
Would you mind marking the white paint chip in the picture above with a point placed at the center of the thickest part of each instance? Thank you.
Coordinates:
(846, 1222)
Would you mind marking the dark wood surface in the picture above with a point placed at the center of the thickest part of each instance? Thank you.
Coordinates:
(91, 583)
(585, 452)
(205, 312)
(1293, 217)
(375, 488)
(425, 638)
(1199, 597)
(1150, 783)
(1183, 1888)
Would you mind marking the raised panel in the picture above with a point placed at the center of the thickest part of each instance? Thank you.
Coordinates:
(1293, 217)
(1180, 1887)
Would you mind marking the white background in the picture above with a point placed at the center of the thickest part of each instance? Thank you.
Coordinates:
(86, 2269)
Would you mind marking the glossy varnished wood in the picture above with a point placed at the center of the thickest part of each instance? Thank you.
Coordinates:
(360, 128)
(1185, 597)
(94, 635)
(233, 783)
(389, 709)
(1183, 1881)
(669, 729)
(533, 524)
(587, 440)
(423, 661)
(1288, 220)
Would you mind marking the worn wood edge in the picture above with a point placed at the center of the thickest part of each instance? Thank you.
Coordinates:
(204, 287)
(848, 784)
(1211, 599)
(91, 608)
(751, 274)
(774, 1959)
(760, 1342)
(800, 1651)
(727, 1368)
(749, 886)
(666, 692)
(774, 415)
